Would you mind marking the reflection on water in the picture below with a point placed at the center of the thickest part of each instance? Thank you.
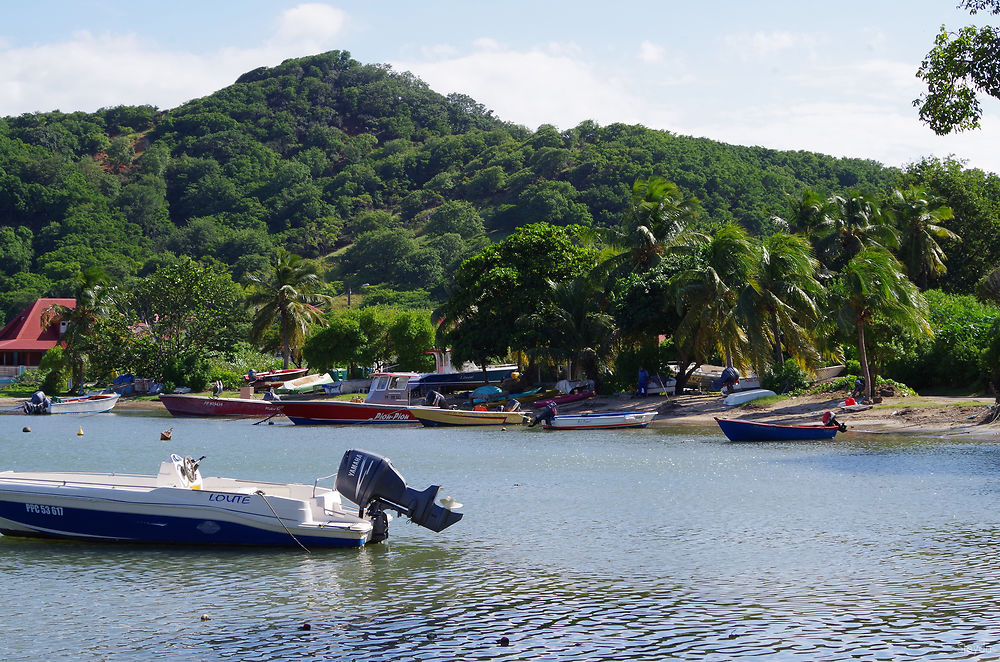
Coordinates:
(639, 545)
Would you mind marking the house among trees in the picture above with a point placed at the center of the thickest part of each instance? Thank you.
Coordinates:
(23, 341)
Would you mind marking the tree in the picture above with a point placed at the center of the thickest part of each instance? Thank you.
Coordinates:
(712, 299)
(787, 294)
(92, 302)
(180, 313)
(577, 328)
(853, 222)
(653, 223)
(919, 215)
(961, 66)
(873, 285)
(504, 281)
(288, 294)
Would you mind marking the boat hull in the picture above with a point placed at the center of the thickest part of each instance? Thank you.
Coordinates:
(167, 516)
(563, 399)
(200, 405)
(436, 417)
(341, 412)
(634, 419)
(305, 384)
(95, 404)
(741, 430)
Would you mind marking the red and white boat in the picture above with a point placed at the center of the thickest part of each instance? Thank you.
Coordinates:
(261, 381)
(204, 405)
(388, 401)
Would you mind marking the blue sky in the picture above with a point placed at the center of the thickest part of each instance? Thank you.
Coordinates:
(785, 74)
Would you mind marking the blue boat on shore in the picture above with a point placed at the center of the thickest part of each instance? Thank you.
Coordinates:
(741, 430)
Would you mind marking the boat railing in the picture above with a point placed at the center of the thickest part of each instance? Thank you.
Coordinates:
(316, 482)
(75, 482)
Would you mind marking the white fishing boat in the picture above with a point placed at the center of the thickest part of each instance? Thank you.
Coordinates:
(179, 506)
(741, 397)
(606, 421)
(85, 404)
(306, 384)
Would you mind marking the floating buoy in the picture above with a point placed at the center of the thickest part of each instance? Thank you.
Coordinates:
(206, 617)
(25, 429)
(504, 641)
(305, 626)
(503, 429)
(165, 435)
(79, 432)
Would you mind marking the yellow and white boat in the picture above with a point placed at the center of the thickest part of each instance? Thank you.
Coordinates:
(435, 416)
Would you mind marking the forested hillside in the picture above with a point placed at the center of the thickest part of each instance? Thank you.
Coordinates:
(387, 180)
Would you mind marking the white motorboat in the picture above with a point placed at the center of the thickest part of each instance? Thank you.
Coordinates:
(623, 419)
(95, 403)
(740, 397)
(179, 506)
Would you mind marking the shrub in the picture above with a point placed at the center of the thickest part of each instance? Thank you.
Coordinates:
(955, 356)
(789, 376)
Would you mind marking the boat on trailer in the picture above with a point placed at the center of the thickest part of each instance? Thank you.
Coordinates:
(600, 421)
(180, 506)
(742, 430)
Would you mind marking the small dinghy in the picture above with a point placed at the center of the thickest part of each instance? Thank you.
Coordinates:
(742, 430)
(179, 506)
(623, 419)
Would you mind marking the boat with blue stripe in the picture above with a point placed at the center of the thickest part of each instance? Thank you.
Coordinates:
(179, 506)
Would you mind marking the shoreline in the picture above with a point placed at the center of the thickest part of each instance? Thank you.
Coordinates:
(914, 414)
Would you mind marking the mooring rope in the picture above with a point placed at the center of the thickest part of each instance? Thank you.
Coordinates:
(291, 535)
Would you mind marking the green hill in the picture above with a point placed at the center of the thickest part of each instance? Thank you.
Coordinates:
(326, 156)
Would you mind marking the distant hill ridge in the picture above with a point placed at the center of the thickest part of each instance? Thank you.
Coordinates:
(324, 155)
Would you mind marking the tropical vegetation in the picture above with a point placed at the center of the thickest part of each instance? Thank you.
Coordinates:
(337, 213)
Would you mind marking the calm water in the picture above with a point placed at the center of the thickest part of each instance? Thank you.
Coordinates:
(631, 545)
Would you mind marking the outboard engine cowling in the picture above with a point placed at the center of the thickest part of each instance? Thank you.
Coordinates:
(364, 477)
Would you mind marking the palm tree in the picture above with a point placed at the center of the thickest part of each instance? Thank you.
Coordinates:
(873, 283)
(709, 299)
(918, 214)
(852, 223)
(788, 294)
(808, 213)
(653, 223)
(93, 301)
(577, 329)
(286, 293)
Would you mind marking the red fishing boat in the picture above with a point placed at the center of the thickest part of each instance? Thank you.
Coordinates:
(204, 405)
(387, 401)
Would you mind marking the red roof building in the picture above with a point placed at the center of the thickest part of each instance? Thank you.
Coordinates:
(23, 340)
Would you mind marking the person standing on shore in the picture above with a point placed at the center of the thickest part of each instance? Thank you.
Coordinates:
(643, 381)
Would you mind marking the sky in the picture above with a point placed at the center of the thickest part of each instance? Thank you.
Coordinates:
(835, 78)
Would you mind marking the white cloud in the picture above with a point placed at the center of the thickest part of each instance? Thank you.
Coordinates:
(311, 27)
(89, 71)
(767, 44)
(650, 52)
(541, 85)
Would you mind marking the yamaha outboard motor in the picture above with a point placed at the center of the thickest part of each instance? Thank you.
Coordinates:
(372, 482)
(39, 403)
